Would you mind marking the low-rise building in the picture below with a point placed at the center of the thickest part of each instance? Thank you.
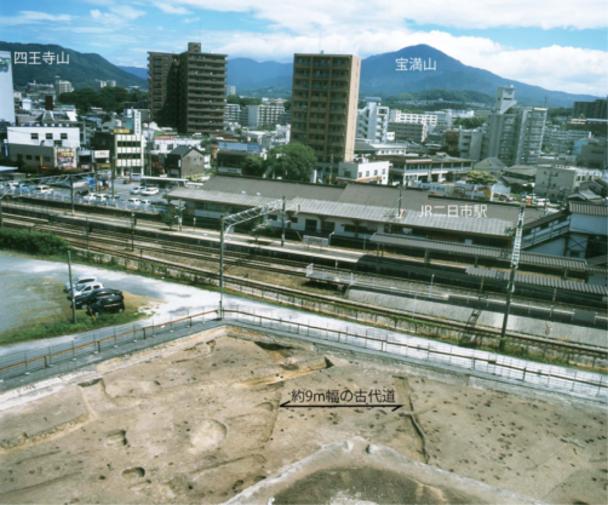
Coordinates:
(357, 211)
(578, 231)
(186, 162)
(439, 168)
(58, 136)
(557, 182)
(43, 157)
(375, 172)
(126, 150)
(404, 131)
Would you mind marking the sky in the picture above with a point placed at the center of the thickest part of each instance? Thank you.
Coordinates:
(558, 44)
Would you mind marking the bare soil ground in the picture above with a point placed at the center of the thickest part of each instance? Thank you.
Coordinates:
(198, 421)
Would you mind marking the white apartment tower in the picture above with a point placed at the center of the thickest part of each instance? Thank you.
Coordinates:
(372, 121)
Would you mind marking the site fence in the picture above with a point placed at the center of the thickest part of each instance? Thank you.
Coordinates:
(354, 337)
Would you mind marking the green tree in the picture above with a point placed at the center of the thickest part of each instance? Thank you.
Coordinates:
(469, 122)
(168, 215)
(479, 177)
(253, 166)
(109, 99)
(293, 161)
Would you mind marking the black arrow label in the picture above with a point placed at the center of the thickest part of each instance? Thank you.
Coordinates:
(290, 405)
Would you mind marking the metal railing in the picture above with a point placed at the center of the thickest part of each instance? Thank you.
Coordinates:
(324, 330)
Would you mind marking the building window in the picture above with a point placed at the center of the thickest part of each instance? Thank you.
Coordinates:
(34, 136)
(311, 225)
(64, 136)
(49, 136)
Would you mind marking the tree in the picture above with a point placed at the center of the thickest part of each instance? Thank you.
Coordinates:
(469, 123)
(108, 98)
(293, 161)
(479, 177)
(253, 166)
(168, 215)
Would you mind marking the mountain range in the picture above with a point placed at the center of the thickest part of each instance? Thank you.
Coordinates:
(380, 77)
(386, 75)
(83, 70)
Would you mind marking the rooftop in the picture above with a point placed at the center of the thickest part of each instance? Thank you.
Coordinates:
(365, 202)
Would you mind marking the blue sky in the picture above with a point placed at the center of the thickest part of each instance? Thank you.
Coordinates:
(557, 44)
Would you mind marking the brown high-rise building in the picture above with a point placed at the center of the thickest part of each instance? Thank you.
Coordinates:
(187, 90)
(324, 100)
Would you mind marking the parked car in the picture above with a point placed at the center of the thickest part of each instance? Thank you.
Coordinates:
(86, 289)
(150, 191)
(136, 190)
(81, 280)
(135, 202)
(101, 197)
(92, 297)
(108, 303)
(43, 189)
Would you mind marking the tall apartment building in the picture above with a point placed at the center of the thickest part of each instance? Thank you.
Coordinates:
(232, 113)
(469, 143)
(187, 90)
(262, 115)
(514, 134)
(325, 93)
(372, 121)
(398, 116)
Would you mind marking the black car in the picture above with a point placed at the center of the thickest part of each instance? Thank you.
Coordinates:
(92, 297)
(107, 303)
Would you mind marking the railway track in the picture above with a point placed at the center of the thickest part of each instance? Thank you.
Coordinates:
(121, 241)
(115, 245)
(74, 235)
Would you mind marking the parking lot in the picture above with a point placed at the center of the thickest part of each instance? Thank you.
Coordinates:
(89, 190)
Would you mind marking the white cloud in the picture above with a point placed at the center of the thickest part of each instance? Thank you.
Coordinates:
(298, 15)
(116, 15)
(33, 17)
(575, 70)
(171, 8)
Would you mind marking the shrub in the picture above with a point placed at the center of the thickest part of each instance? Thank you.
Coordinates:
(31, 242)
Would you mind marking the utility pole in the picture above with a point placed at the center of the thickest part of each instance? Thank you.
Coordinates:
(114, 168)
(132, 231)
(283, 221)
(72, 193)
(222, 224)
(400, 198)
(514, 265)
(71, 287)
